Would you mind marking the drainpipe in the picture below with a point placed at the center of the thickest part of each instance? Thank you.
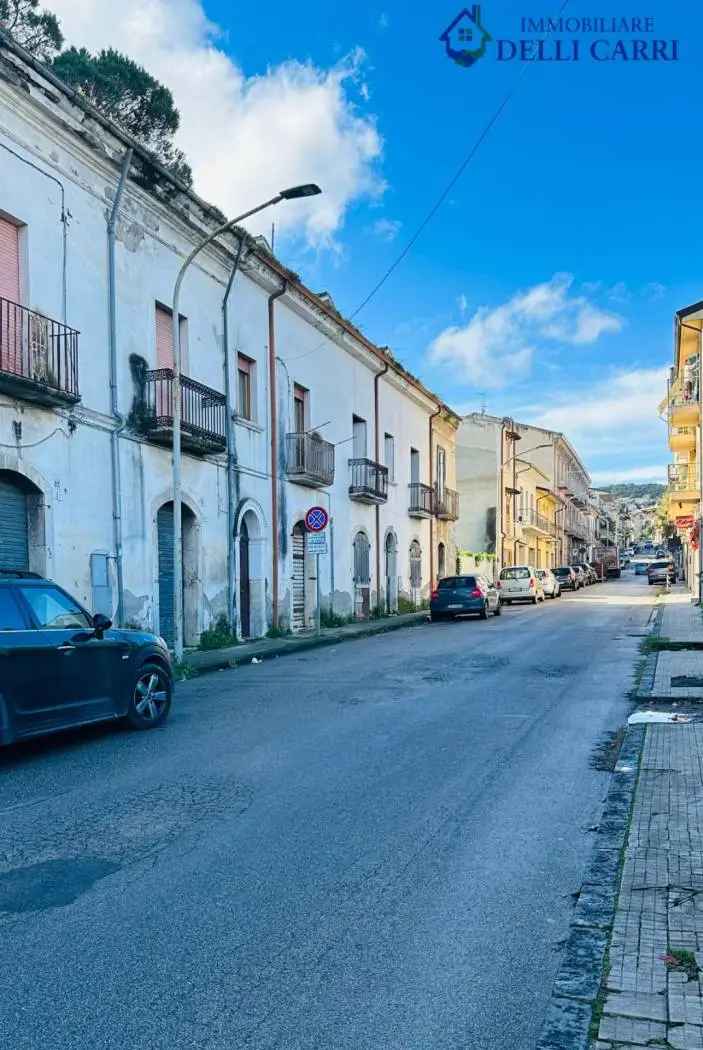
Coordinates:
(231, 448)
(430, 422)
(274, 452)
(114, 402)
(377, 457)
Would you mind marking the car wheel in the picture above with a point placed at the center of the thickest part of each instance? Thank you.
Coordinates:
(498, 610)
(483, 615)
(150, 701)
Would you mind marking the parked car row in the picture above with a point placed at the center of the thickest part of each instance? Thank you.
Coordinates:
(475, 594)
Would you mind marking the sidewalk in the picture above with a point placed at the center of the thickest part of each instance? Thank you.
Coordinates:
(653, 992)
(629, 976)
(265, 648)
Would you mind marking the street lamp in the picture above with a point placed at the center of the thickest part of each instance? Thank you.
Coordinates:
(293, 193)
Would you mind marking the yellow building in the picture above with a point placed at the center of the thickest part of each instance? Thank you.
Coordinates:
(535, 517)
(683, 403)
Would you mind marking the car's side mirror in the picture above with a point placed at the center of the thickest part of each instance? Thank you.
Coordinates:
(101, 623)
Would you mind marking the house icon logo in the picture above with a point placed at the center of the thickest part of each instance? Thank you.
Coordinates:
(465, 39)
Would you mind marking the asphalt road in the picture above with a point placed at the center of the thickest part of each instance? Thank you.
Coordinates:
(369, 846)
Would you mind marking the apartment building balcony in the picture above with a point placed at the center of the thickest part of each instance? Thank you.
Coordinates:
(684, 412)
(422, 500)
(534, 522)
(38, 357)
(682, 439)
(309, 460)
(368, 481)
(684, 483)
(446, 504)
(203, 413)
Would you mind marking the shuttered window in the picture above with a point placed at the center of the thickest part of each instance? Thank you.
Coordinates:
(11, 340)
(14, 525)
(9, 261)
(164, 337)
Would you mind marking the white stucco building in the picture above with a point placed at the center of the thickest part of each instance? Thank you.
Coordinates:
(298, 409)
(523, 493)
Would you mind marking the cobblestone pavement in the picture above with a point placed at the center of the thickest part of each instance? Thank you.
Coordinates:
(660, 906)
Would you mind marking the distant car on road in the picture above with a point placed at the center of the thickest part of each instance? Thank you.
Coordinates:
(459, 595)
(550, 584)
(63, 667)
(641, 564)
(520, 583)
(581, 576)
(661, 571)
(589, 572)
(568, 580)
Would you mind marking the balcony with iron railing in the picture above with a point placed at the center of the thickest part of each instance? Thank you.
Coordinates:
(537, 522)
(684, 482)
(422, 500)
(446, 504)
(309, 460)
(203, 413)
(682, 439)
(684, 406)
(38, 356)
(368, 481)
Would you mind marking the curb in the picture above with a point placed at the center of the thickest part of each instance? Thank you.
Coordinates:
(578, 981)
(222, 659)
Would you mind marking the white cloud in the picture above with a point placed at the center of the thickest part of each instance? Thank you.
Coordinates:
(616, 418)
(246, 137)
(497, 345)
(387, 229)
(383, 21)
(463, 303)
(654, 291)
(615, 475)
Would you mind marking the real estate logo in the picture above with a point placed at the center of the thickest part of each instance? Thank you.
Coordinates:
(599, 39)
(466, 38)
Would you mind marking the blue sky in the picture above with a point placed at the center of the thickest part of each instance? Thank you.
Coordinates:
(545, 285)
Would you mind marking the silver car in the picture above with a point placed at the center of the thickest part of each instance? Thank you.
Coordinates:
(550, 584)
(520, 583)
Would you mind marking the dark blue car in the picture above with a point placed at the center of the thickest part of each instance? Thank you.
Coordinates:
(62, 667)
(459, 595)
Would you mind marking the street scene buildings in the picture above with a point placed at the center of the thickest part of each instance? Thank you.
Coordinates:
(333, 712)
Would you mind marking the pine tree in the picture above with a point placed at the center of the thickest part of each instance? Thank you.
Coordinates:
(126, 93)
(35, 30)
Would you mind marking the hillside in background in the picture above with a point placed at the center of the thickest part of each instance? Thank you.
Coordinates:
(634, 490)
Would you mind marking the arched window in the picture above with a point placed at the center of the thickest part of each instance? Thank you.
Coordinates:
(362, 559)
(415, 566)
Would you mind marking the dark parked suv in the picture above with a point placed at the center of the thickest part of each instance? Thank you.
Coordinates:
(61, 667)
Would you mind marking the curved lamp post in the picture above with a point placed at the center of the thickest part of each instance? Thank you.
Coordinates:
(294, 192)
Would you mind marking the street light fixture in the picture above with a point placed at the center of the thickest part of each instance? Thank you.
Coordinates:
(309, 189)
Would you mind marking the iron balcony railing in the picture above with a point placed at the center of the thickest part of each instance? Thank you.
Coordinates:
(38, 352)
(538, 521)
(684, 481)
(446, 504)
(422, 501)
(368, 482)
(309, 459)
(203, 411)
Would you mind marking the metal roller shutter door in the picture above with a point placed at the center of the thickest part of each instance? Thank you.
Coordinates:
(299, 578)
(14, 539)
(164, 528)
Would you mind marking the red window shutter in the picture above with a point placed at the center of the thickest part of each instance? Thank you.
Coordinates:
(9, 261)
(164, 338)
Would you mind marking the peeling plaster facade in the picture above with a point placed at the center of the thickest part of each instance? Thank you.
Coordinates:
(59, 168)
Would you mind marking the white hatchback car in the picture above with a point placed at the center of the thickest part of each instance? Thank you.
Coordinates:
(520, 583)
(550, 584)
